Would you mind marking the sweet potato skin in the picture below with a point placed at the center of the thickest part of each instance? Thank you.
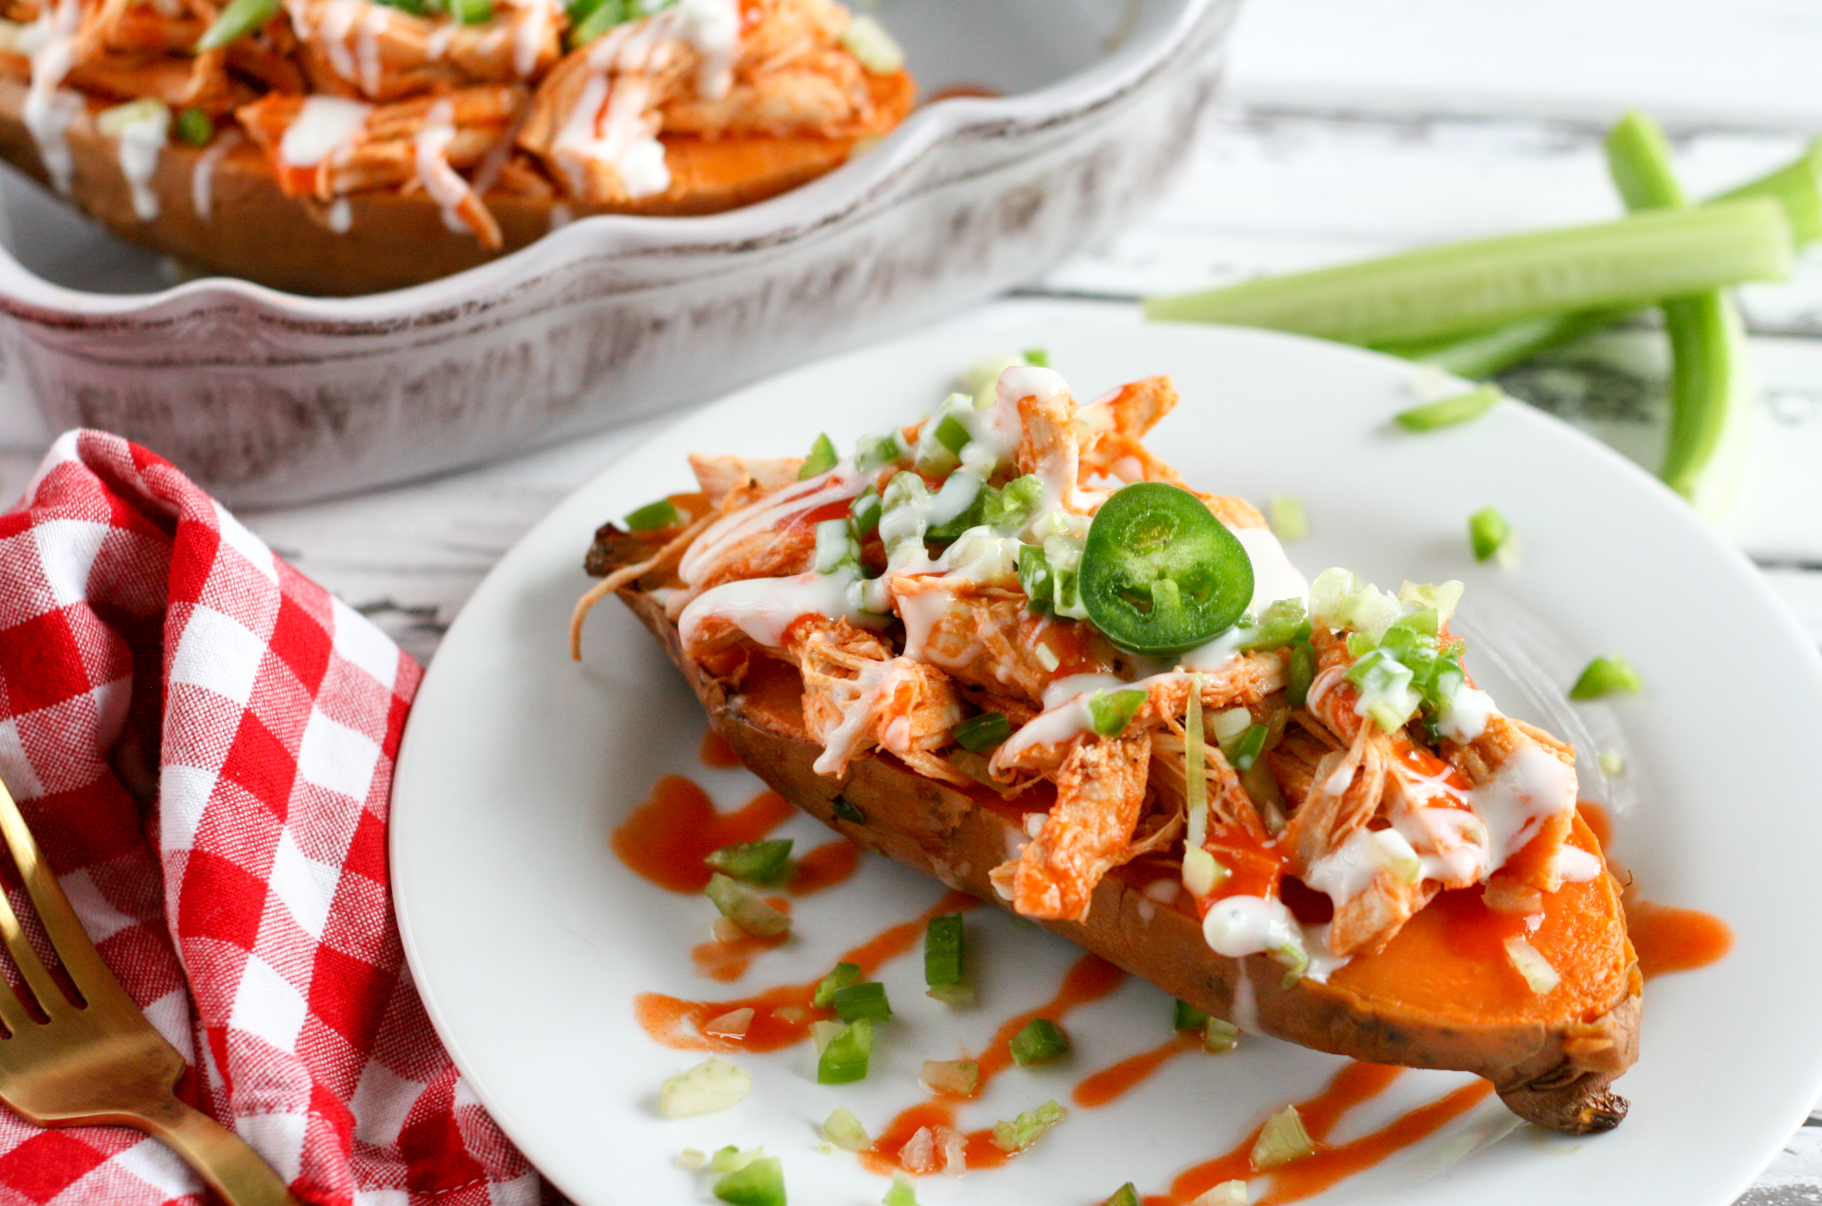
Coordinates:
(1555, 1075)
(257, 233)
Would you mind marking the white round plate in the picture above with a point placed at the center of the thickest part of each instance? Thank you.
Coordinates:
(530, 940)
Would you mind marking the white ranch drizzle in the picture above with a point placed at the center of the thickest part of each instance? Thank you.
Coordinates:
(139, 145)
(48, 109)
(764, 608)
(324, 126)
(341, 216)
(528, 34)
(373, 24)
(339, 20)
(610, 123)
(841, 482)
(560, 216)
(202, 176)
(441, 182)
(437, 44)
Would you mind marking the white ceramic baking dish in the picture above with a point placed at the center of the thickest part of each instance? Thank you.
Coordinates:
(269, 398)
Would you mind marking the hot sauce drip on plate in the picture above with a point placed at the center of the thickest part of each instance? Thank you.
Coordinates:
(1354, 1084)
(781, 1015)
(1089, 979)
(667, 837)
(1667, 939)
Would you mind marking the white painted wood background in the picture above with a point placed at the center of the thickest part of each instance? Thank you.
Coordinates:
(1349, 127)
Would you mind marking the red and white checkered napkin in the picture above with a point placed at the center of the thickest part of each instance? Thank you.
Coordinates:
(202, 741)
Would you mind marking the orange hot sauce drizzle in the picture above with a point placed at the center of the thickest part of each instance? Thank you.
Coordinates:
(1354, 1084)
(1666, 938)
(781, 1015)
(1089, 979)
(1114, 1082)
(667, 837)
(825, 866)
(716, 752)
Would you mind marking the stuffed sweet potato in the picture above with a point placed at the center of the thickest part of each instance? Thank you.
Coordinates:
(347, 146)
(1119, 711)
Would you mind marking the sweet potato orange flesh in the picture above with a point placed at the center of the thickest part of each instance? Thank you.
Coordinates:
(1438, 999)
(256, 232)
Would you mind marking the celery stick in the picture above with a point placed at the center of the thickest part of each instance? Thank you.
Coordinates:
(1710, 399)
(1797, 186)
(1465, 287)
(1488, 353)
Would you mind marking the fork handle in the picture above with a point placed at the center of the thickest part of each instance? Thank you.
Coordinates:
(237, 1173)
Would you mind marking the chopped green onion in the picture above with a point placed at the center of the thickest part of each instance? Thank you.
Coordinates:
(1041, 1041)
(956, 1077)
(845, 1058)
(1037, 357)
(843, 975)
(981, 733)
(601, 18)
(1249, 747)
(952, 435)
(957, 995)
(760, 1183)
(1613, 763)
(1283, 623)
(1125, 1195)
(1195, 767)
(1201, 873)
(1287, 518)
(835, 547)
(1606, 676)
(691, 1160)
(756, 862)
(746, 910)
(652, 517)
(1292, 958)
(1282, 1140)
(822, 458)
(714, 1084)
(1300, 674)
(872, 47)
(1446, 412)
(1036, 578)
(471, 12)
(943, 948)
(1188, 1017)
(844, 1130)
(1467, 287)
(1111, 712)
(902, 1191)
(1489, 532)
(1540, 977)
(237, 20)
(195, 127)
(1013, 503)
(845, 810)
(864, 513)
(1228, 1193)
(1027, 1128)
(1219, 1037)
(864, 1000)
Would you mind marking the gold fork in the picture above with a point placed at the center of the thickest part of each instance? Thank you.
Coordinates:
(101, 1062)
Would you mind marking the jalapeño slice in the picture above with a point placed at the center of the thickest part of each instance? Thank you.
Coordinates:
(1160, 574)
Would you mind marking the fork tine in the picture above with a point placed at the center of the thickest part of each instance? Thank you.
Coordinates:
(68, 938)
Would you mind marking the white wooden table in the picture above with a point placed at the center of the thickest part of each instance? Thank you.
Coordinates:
(1349, 128)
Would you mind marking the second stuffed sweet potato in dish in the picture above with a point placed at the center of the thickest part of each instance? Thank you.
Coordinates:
(1011, 647)
(348, 146)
